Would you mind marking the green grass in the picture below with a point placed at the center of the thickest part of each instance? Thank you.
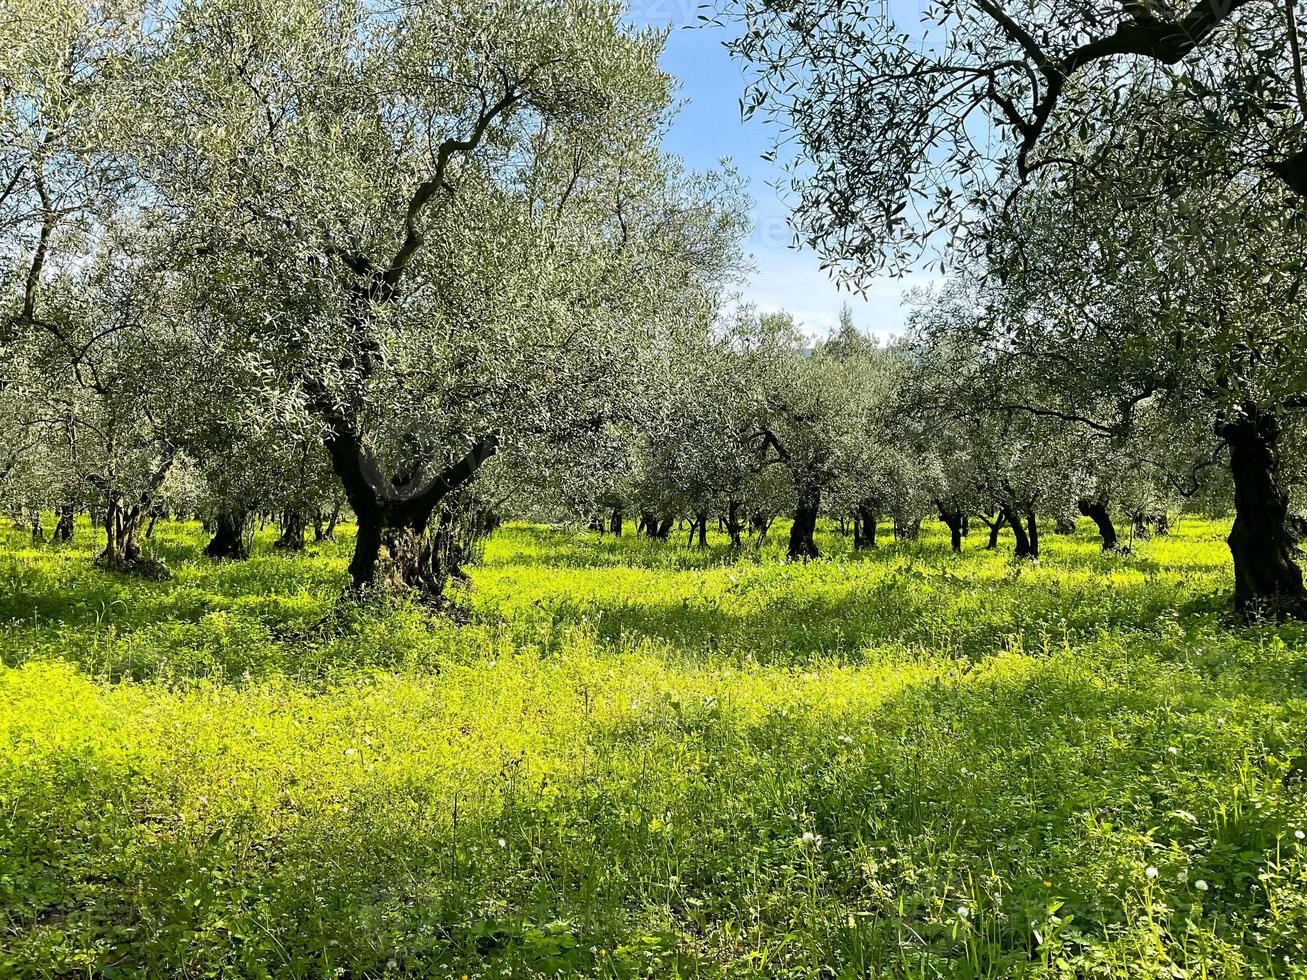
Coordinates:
(644, 759)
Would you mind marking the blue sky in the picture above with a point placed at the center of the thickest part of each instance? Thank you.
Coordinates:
(709, 128)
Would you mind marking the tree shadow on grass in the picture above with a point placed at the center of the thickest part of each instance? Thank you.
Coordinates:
(943, 615)
(1004, 786)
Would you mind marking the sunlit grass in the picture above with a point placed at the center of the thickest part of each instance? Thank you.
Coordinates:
(652, 759)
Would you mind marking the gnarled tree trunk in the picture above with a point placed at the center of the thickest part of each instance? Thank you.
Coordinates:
(1009, 516)
(995, 528)
(327, 533)
(395, 515)
(803, 544)
(122, 549)
(864, 528)
(63, 530)
(228, 541)
(122, 524)
(1096, 511)
(292, 531)
(954, 520)
(734, 526)
(1267, 579)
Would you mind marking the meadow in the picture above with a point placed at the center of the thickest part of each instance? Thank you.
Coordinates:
(643, 759)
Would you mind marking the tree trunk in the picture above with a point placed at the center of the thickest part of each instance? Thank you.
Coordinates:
(1139, 527)
(228, 543)
(802, 533)
(733, 523)
(122, 551)
(907, 529)
(954, 522)
(319, 531)
(292, 531)
(416, 560)
(1032, 535)
(864, 528)
(330, 533)
(122, 524)
(367, 548)
(615, 524)
(703, 528)
(663, 528)
(63, 530)
(995, 527)
(1096, 511)
(393, 515)
(1064, 524)
(1009, 516)
(38, 528)
(1267, 580)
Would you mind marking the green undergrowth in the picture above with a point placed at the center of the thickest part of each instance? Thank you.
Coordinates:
(644, 759)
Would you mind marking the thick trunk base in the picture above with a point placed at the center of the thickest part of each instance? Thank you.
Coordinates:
(1025, 548)
(803, 544)
(955, 523)
(1267, 580)
(864, 529)
(228, 542)
(292, 532)
(63, 530)
(122, 551)
(1096, 510)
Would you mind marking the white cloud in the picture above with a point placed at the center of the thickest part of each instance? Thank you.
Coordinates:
(792, 280)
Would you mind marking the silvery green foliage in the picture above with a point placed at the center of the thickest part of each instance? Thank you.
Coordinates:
(414, 224)
(907, 135)
(437, 221)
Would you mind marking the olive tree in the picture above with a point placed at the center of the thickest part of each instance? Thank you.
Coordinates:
(436, 232)
(926, 138)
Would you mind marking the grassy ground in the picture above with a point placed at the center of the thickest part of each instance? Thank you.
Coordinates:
(652, 760)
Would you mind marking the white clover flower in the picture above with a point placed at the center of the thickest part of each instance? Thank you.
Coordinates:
(1201, 885)
(502, 843)
(1173, 750)
(351, 751)
(1151, 872)
(964, 911)
(1299, 834)
(810, 838)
